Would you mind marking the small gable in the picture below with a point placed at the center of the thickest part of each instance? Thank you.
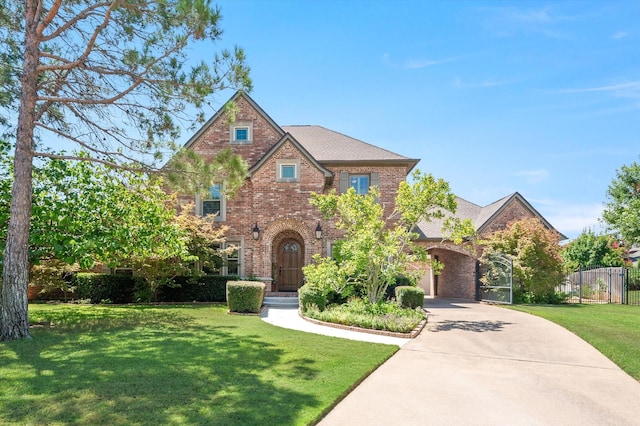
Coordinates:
(248, 131)
(289, 161)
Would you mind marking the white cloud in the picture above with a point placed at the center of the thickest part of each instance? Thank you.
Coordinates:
(571, 219)
(619, 35)
(630, 89)
(507, 21)
(534, 176)
(459, 84)
(417, 63)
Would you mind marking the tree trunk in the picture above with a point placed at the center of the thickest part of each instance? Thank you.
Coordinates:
(14, 319)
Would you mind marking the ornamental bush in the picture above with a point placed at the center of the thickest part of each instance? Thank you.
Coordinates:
(245, 296)
(310, 295)
(409, 296)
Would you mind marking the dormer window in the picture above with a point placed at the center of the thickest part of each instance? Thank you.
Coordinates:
(241, 133)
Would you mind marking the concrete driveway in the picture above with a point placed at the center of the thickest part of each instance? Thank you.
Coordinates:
(476, 364)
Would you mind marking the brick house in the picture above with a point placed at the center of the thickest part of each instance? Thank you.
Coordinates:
(459, 278)
(277, 230)
(270, 220)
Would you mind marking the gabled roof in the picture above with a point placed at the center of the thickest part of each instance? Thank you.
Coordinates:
(289, 138)
(328, 146)
(481, 217)
(222, 111)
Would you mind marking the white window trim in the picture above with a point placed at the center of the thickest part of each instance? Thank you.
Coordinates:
(281, 163)
(241, 125)
(222, 217)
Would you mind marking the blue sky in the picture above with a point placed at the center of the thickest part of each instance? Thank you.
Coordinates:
(542, 98)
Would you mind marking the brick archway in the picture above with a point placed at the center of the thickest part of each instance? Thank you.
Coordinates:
(294, 231)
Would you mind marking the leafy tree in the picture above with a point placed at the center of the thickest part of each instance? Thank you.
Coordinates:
(111, 77)
(537, 264)
(589, 249)
(374, 251)
(83, 213)
(622, 211)
(202, 240)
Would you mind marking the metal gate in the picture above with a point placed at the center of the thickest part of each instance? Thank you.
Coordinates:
(496, 281)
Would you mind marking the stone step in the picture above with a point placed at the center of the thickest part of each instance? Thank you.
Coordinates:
(281, 302)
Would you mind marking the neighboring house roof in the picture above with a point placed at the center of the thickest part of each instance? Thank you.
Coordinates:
(328, 146)
(481, 217)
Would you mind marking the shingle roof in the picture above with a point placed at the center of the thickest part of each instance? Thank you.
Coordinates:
(328, 146)
(480, 216)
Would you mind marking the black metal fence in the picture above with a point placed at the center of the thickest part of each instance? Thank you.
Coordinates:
(603, 285)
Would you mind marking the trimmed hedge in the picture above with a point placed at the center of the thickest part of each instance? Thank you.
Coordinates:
(108, 288)
(207, 288)
(410, 297)
(104, 288)
(245, 296)
(400, 281)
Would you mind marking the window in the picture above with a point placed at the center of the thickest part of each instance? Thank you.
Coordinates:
(360, 183)
(229, 263)
(128, 272)
(287, 170)
(241, 133)
(212, 204)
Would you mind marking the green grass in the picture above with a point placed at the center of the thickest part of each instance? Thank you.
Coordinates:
(173, 365)
(612, 329)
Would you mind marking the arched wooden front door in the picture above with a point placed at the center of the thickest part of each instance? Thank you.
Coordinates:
(289, 265)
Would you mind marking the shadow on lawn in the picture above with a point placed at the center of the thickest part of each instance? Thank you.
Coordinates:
(170, 369)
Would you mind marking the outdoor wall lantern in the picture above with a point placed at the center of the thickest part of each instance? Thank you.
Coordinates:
(318, 231)
(256, 232)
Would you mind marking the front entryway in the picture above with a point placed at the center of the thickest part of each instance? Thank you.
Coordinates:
(288, 266)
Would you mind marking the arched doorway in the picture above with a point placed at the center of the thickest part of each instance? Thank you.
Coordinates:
(289, 260)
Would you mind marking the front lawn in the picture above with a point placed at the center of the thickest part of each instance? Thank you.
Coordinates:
(612, 329)
(90, 365)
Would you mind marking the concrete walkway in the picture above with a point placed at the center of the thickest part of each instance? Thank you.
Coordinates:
(476, 364)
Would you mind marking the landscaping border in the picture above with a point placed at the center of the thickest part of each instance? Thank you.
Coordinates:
(414, 333)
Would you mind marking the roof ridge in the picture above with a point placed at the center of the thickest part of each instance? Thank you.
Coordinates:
(350, 137)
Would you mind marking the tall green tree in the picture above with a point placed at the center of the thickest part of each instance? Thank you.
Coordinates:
(589, 249)
(111, 77)
(535, 251)
(622, 210)
(85, 213)
(375, 250)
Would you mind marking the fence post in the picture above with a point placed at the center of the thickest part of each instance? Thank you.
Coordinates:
(580, 285)
(609, 286)
(625, 286)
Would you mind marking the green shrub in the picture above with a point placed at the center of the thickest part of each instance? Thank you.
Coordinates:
(245, 296)
(100, 288)
(310, 295)
(378, 316)
(206, 288)
(401, 280)
(410, 297)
